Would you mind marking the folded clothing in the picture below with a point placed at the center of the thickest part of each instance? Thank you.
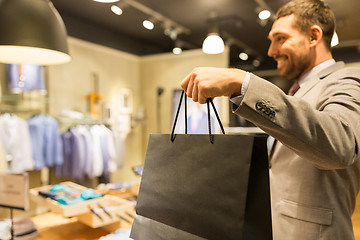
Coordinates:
(66, 195)
(24, 229)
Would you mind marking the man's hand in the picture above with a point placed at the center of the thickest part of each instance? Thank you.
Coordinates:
(203, 83)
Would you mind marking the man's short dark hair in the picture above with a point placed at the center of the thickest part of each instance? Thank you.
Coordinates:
(308, 13)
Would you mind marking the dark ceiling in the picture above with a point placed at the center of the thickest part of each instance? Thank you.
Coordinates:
(94, 22)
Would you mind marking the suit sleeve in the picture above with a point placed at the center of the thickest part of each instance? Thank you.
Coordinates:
(325, 133)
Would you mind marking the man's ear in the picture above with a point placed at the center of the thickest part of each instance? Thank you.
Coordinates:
(316, 35)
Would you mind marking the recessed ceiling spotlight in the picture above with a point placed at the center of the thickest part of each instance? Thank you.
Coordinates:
(177, 50)
(243, 56)
(264, 14)
(148, 24)
(116, 9)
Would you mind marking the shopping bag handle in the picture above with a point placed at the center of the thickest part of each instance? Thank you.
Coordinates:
(208, 102)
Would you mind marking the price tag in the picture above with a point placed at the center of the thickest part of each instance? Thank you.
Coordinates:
(14, 191)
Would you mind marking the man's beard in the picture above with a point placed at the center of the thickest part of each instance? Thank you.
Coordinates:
(296, 69)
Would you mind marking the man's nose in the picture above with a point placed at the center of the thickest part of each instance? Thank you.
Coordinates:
(272, 50)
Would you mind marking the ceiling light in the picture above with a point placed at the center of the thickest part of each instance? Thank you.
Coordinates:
(116, 9)
(32, 32)
(177, 50)
(334, 40)
(106, 1)
(264, 14)
(148, 24)
(256, 63)
(213, 44)
(243, 56)
(177, 46)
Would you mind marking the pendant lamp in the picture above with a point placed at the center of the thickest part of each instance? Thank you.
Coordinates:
(32, 31)
(213, 43)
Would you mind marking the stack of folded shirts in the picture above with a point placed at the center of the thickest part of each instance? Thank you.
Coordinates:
(24, 229)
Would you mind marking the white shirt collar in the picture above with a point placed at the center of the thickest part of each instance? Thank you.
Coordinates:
(315, 71)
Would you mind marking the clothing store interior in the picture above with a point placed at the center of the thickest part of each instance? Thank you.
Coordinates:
(85, 83)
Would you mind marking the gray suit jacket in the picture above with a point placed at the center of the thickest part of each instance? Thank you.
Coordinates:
(315, 167)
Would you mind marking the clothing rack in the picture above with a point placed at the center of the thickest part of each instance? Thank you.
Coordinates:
(12, 223)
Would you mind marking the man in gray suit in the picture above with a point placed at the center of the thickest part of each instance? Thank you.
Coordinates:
(315, 164)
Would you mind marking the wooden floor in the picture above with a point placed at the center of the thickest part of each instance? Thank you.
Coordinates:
(356, 219)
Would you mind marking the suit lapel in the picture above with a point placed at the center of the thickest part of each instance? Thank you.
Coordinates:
(315, 79)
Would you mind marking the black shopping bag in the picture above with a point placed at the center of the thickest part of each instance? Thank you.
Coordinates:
(194, 188)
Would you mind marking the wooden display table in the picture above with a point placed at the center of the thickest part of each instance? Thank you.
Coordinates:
(55, 227)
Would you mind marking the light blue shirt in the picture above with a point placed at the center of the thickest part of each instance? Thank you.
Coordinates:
(46, 142)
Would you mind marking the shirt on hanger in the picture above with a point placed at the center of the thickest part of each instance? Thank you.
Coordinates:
(16, 142)
(46, 141)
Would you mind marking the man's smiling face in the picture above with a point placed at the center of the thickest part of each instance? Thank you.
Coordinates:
(290, 48)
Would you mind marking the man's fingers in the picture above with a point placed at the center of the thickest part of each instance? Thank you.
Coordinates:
(190, 84)
(195, 92)
(189, 89)
(185, 82)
